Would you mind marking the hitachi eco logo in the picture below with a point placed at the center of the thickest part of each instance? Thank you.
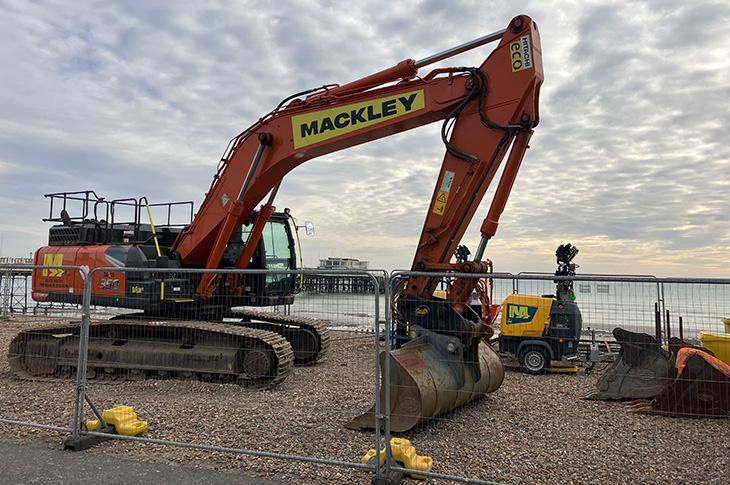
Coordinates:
(52, 260)
(521, 54)
(520, 313)
(322, 125)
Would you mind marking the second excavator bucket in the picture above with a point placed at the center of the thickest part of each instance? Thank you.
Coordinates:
(701, 388)
(641, 371)
(432, 375)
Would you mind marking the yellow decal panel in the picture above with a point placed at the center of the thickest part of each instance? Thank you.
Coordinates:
(521, 54)
(439, 205)
(323, 125)
(52, 260)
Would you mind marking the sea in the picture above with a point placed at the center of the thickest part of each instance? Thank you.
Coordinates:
(681, 307)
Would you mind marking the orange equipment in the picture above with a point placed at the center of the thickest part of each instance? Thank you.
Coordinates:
(488, 114)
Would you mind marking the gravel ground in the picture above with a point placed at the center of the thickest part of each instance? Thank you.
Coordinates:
(533, 429)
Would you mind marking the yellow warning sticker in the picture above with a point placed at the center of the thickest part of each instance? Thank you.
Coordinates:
(440, 204)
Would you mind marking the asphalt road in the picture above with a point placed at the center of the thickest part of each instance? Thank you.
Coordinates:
(26, 464)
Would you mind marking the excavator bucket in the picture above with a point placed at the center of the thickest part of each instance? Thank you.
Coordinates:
(641, 371)
(700, 390)
(432, 375)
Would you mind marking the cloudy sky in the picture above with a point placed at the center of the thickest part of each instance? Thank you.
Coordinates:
(630, 163)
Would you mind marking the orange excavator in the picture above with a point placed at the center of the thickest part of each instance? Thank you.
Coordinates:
(488, 114)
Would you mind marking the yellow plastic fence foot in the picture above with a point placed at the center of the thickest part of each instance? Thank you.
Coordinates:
(124, 420)
(404, 453)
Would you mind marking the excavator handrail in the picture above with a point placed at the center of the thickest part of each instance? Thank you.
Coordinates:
(459, 49)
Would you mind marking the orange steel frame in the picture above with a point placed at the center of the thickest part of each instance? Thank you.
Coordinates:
(268, 146)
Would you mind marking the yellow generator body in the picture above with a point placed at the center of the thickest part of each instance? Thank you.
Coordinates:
(525, 315)
(538, 329)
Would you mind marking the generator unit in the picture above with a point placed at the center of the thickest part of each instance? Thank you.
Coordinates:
(539, 329)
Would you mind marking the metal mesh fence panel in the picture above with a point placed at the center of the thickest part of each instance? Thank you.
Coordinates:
(700, 306)
(39, 357)
(483, 412)
(543, 421)
(256, 380)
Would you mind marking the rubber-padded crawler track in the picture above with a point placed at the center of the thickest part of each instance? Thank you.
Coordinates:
(134, 350)
(308, 337)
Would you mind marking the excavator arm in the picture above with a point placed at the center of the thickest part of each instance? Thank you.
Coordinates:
(486, 110)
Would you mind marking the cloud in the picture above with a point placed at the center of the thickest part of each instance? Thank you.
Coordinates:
(130, 99)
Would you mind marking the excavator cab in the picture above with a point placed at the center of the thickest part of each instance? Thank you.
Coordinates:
(276, 250)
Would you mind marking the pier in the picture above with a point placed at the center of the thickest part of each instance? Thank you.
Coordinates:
(330, 283)
(347, 283)
(15, 286)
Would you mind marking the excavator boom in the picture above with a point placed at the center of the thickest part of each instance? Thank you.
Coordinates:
(485, 109)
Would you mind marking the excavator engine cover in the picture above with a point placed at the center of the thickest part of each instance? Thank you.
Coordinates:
(432, 375)
(641, 370)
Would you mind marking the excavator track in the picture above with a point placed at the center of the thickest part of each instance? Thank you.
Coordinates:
(308, 337)
(136, 350)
